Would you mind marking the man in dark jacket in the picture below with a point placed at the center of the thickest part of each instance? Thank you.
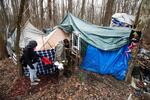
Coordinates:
(31, 59)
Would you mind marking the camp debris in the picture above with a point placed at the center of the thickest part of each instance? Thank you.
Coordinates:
(141, 74)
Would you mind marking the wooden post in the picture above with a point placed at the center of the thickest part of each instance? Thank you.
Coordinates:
(131, 64)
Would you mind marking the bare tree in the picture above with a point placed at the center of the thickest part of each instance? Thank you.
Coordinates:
(125, 6)
(133, 62)
(92, 7)
(18, 34)
(102, 12)
(132, 7)
(3, 51)
(70, 6)
(14, 5)
(83, 9)
(27, 10)
(144, 21)
(63, 9)
(35, 12)
(118, 4)
(41, 13)
(54, 12)
(108, 12)
(50, 10)
(138, 13)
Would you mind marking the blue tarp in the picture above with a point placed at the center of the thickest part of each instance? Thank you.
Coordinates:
(106, 62)
(117, 23)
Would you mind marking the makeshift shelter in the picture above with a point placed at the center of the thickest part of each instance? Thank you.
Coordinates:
(107, 46)
(28, 32)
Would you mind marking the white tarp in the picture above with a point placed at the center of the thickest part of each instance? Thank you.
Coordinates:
(28, 32)
(125, 18)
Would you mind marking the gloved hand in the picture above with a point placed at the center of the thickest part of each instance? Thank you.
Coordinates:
(60, 67)
(56, 63)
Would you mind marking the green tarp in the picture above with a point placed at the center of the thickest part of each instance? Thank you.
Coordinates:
(105, 38)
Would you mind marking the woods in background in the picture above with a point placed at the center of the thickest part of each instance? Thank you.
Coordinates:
(49, 13)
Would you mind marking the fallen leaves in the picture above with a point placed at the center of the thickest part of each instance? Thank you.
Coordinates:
(92, 87)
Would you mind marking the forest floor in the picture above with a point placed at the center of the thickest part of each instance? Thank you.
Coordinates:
(80, 86)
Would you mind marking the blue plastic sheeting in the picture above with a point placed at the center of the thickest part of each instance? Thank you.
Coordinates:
(117, 23)
(106, 62)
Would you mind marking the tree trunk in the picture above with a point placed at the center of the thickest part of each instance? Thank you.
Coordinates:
(102, 12)
(118, 6)
(3, 37)
(42, 13)
(92, 6)
(54, 13)
(145, 21)
(125, 6)
(15, 11)
(108, 12)
(37, 14)
(63, 9)
(4, 11)
(17, 49)
(133, 8)
(138, 13)
(50, 11)
(83, 9)
(34, 14)
(131, 65)
(27, 12)
(70, 6)
(3, 51)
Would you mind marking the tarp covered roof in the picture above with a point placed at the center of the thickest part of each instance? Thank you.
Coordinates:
(105, 38)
